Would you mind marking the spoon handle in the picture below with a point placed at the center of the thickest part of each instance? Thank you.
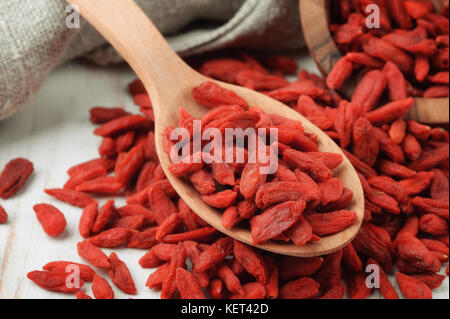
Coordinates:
(136, 38)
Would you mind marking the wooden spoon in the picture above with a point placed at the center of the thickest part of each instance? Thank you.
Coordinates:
(169, 82)
(314, 19)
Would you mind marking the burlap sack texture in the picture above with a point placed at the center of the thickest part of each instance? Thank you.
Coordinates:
(34, 38)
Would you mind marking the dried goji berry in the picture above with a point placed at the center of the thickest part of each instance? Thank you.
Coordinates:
(71, 197)
(120, 275)
(301, 232)
(418, 183)
(421, 68)
(307, 163)
(386, 288)
(433, 206)
(156, 278)
(336, 292)
(388, 147)
(136, 87)
(187, 285)
(247, 208)
(203, 182)
(395, 170)
(433, 225)
(411, 226)
(282, 64)
(122, 124)
(396, 82)
(182, 169)
(52, 220)
(251, 180)
(136, 210)
(302, 288)
(178, 260)
(167, 226)
(357, 287)
(411, 147)
(113, 237)
(439, 186)
(433, 281)
(390, 112)
(92, 254)
(329, 274)
(3, 215)
(101, 185)
(359, 165)
(197, 234)
(231, 217)
(293, 91)
(252, 290)
(341, 71)
(221, 199)
(397, 131)
(364, 59)
(331, 223)
(252, 261)
(82, 295)
(88, 174)
(369, 90)
(386, 51)
(101, 115)
(101, 288)
(128, 167)
(162, 207)
(144, 239)
(211, 95)
(59, 282)
(86, 272)
(293, 267)
(368, 243)
(131, 222)
(230, 280)
(104, 216)
(331, 190)
(351, 259)
(275, 220)
(14, 176)
(278, 192)
(214, 254)
(107, 148)
(142, 100)
(105, 162)
(431, 158)
(414, 251)
(412, 288)
(216, 288)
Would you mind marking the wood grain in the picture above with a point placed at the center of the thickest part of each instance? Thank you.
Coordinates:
(314, 19)
(169, 82)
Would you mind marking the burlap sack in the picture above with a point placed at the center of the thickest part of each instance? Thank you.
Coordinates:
(34, 38)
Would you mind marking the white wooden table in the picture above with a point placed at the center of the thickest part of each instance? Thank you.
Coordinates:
(55, 133)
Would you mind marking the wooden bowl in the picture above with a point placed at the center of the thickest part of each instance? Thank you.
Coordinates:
(315, 23)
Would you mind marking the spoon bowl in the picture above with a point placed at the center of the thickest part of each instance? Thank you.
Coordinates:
(169, 82)
(315, 20)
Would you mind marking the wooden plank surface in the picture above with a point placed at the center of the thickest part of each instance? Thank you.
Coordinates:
(55, 133)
